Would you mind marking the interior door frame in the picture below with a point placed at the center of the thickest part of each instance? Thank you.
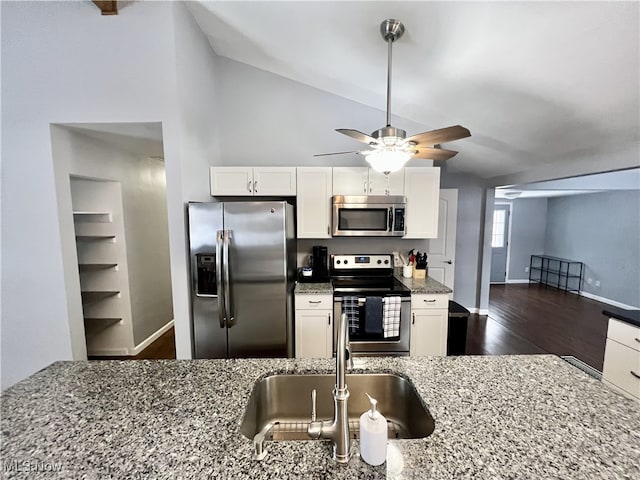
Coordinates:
(509, 206)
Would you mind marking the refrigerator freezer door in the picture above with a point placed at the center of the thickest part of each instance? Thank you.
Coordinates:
(258, 266)
(209, 332)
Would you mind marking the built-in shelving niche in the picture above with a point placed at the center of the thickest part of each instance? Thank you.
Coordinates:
(102, 269)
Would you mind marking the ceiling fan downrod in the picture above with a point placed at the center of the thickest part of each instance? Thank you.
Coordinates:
(391, 30)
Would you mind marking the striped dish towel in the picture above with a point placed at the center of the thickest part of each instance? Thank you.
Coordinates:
(350, 307)
(391, 317)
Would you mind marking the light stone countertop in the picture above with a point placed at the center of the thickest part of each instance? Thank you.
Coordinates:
(422, 285)
(314, 288)
(526, 417)
(418, 286)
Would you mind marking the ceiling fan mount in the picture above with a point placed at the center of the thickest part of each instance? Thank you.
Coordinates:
(389, 147)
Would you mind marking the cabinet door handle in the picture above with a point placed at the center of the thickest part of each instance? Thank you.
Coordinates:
(370, 186)
(315, 301)
(328, 319)
(364, 186)
(637, 340)
(414, 319)
(255, 186)
(430, 301)
(328, 229)
(634, 374)
(249, 186)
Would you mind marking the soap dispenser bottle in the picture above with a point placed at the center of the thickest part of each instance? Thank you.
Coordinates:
(373, 435)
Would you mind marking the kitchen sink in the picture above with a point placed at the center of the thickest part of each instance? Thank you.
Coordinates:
(280, 405)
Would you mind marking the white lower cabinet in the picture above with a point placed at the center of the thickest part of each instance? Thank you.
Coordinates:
(313, 326)
(429, 321)
(622, 358)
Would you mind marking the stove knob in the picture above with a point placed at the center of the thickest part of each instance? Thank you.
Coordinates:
(386, 262)
(346, 261)
(338, 262)
(379, 262)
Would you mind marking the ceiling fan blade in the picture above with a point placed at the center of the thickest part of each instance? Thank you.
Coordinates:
(442, 135)
(434, 153)
(361, 137)
(334, 153)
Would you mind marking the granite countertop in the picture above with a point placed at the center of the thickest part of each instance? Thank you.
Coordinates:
(631, 317)
(314, 288)
(495, 417)
(422, 285)
(425, 285)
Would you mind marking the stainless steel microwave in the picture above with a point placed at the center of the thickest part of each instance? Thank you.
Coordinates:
(369, 216)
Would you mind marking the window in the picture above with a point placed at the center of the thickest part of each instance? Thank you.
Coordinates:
(497, 237)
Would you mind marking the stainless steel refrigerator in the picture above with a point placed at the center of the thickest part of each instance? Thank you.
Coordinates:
(242, 257)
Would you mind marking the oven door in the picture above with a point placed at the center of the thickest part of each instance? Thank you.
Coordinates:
(364, 343)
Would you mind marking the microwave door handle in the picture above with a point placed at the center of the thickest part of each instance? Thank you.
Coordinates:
(390, 227)
(228, 299)
(220, 285)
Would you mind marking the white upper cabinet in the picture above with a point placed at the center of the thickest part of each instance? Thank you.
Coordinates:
(366, 181)
(378, 183)
(243, 181)
(314, 202)
(422, 189)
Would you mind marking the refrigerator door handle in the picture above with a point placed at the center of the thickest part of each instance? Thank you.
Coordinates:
(228, 300)
(221, 287)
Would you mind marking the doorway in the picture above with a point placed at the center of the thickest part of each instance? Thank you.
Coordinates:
(500, 242)
(111, 190)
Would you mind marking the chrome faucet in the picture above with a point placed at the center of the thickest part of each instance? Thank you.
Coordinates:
(336, 429)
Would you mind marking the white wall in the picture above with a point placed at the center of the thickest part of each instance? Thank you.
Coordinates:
(199, 117)
(271, 120)
(92, 69)
(528, 226)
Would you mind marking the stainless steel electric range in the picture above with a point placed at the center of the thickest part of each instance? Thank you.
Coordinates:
(378, 306)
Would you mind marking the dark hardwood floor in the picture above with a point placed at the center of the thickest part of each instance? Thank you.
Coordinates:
(163, 348)
(527, 319)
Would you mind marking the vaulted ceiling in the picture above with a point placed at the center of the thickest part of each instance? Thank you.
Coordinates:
(537, 83)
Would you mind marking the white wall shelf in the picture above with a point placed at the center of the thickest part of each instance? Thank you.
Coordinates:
(96, 295)
(92, 267)
(101, 217)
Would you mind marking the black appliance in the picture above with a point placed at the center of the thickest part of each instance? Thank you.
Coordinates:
(377, 304)
(319, 265)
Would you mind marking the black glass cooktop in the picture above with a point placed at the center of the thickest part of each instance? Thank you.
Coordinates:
(370, 285)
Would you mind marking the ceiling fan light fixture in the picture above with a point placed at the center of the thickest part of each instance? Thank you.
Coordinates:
(387, 161)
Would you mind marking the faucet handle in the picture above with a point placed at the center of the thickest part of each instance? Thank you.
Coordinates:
(313, 405)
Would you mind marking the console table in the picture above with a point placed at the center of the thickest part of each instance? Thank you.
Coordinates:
(560, 273)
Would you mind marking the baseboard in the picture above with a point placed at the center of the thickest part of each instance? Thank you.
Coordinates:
(479, 311)
(605, 300)
(152, 338)
(108, 352)
(518, 281)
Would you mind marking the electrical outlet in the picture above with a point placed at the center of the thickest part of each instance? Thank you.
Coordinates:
(597, 283)
(526, 269)
(589, 281)
(396, 259)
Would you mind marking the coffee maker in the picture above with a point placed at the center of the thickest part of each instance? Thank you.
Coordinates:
(317, 271)
(319, 263)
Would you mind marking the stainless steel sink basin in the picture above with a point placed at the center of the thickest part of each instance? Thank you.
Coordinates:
(280, 405)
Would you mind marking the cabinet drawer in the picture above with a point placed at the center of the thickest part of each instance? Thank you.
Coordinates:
(624, 333)
(619, 362)
(314, 302)
(429, 301)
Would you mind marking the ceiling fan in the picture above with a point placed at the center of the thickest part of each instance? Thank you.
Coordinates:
(389, 147)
